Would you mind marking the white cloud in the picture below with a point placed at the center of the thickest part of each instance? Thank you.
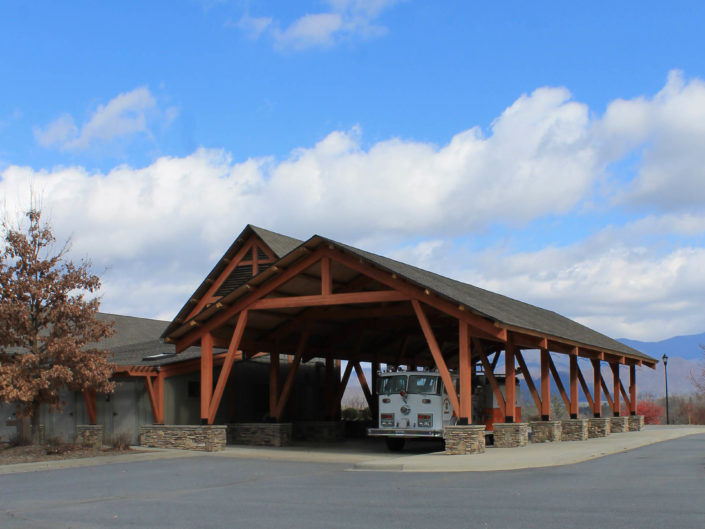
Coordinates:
(124, 116)
(344, 20)
(670, 128)
(168, 222)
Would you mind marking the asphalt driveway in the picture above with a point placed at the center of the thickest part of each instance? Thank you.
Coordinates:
(657, 486)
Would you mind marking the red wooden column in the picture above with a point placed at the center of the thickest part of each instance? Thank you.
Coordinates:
(596, 388)
(273, 383)
(159, 390)
(545, 386)
(89, 395)
(206, 375)
(465, 416)
(574, 384)
(510, 382)
(615, 389)
(632, 389)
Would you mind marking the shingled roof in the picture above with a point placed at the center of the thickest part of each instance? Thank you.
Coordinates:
(505, 311)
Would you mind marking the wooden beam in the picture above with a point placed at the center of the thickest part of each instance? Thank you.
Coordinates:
(632, 390)
(489, 373)
(464, 358)
(363, 384)
(573, 361)
(627, 402)
(245, 301)
(616, 407)
(586, 390)
(89, 396)
(545, 385)
(153, 401)
(527, 378)
(596, 387)
(495, 360)
(603, 384)
(437, 356)
(291, 375)
(344, 382)
(479, 324)
(510, 382)
(326, 280)
(559, 384)
(382, 296)
(227, 365)
(159, 390)
(206, 375)
(221, 279)
(274, 383)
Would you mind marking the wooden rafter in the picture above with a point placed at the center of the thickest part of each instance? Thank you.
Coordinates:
(527, 378)
(559, 384)
(291, 375)
(437, 356)
(227, 366)
(489, 373)
(586, 390)
(363, 384)
(287, 302)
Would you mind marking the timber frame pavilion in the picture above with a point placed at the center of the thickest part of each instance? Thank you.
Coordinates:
(274, 295)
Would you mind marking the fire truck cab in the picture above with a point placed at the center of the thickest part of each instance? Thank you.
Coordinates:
(415, 404)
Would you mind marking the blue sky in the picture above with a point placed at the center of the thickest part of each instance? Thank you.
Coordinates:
(550, 151)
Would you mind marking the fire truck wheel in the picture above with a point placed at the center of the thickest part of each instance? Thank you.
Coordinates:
(395, 444)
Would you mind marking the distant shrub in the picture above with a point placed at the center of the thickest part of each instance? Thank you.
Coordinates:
(651, 411)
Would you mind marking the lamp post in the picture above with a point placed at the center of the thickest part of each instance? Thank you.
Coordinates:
(665, 374)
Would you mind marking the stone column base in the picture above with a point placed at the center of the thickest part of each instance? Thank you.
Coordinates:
(90, 435)
(465, 439)
(319, 431)
(619, 424)
(545, 431)
(636, 423)
(260, 433)
(574, 430)
(185, 437)
(599, 427)
(511, 434)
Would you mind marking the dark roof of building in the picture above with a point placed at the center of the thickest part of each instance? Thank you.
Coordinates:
(497, 307)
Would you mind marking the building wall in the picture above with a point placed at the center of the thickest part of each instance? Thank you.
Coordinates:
(246, 399)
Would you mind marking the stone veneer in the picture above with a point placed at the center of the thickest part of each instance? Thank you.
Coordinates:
(260, 433)
(545, 431)
(89, 435)
(619, 424)
(464, 439)
(185, 437)
(511, 434)
(599, 427)
(319, 431)
(574, 430)
(636, 423)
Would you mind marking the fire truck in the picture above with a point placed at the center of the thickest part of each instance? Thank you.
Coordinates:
(415, 405)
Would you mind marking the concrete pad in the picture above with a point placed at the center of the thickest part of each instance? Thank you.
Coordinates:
(533, 455)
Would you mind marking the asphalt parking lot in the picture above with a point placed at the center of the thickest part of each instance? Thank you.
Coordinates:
(661, 485)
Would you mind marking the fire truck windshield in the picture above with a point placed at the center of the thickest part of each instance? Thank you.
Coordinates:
(424, 384)
(391, 384)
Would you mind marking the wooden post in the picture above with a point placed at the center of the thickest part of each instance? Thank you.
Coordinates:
(89, 395)
(206, 375)
(574, 385)
(273, 383)
(465, 415)
(596, 388)
(632, 389)
(510, 381)
(616, 409)
(159, 390)
(545, 387)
